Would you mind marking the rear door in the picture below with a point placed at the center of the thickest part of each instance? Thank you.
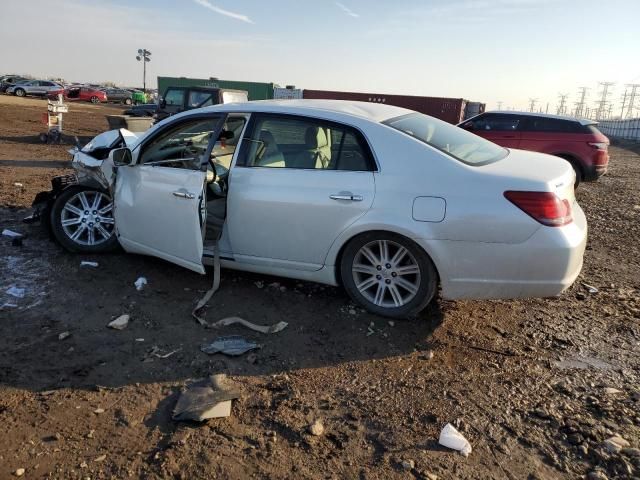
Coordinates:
(297, 184)
(551, 135)
(160, 201)
(503, 129)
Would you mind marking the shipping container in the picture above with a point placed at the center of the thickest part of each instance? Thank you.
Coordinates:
(256, 90)
(448, 109)
(473, 109)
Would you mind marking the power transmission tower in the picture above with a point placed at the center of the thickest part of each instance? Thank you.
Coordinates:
(580, 104)
(624, 102)
(633, 96)
(499, 105)
(562, 107)
(604, 95)
(532, 104)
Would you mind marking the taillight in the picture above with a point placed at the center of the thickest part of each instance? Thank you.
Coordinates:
(544, 207)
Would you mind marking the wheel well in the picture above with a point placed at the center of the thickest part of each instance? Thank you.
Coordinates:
(338, 261)
(573, 160)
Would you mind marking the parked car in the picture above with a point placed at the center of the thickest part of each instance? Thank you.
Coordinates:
(576, 140)
(80, 94)
(180, 99)
(119, 95)
(7, 81)
(387, 202)
(33, 87)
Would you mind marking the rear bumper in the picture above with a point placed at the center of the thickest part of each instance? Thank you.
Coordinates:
(543, 266)
(594, 172)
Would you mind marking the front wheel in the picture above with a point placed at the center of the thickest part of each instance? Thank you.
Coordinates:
(127, 101)
(388, 274)
(95, 99)
(20, 92)
(82, 220)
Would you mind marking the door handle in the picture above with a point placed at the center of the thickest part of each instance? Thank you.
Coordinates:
(349, 197)
(187, 195)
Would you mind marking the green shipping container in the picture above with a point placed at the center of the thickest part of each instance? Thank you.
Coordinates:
(256, 90)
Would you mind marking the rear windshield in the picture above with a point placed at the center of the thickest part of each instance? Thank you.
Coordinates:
(591, 129)
(452, 140)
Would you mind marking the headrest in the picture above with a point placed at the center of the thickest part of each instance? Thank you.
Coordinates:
(315, 138)
(269, 141)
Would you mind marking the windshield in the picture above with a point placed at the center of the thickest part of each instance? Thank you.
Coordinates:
(456, 142)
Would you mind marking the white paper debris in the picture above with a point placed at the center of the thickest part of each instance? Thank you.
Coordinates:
(452, 438)
(119, 323)
(11, 234)
(16, 292)
(140, 283)
(86, 263)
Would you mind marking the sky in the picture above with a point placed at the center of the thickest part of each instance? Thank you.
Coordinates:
(492, 51)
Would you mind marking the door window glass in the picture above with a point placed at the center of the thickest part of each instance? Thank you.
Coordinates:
(182, 145)
(305, 143)
(174, 97)
(225, 146)
(497, 123)
(200, 99)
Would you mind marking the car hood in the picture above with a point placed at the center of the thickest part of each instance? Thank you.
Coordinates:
(111, 139)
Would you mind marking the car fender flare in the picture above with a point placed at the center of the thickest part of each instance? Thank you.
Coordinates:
(336, 250)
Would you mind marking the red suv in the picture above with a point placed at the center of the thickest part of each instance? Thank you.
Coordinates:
(576, 140)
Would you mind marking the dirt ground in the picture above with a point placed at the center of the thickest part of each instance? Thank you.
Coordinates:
(536, 386)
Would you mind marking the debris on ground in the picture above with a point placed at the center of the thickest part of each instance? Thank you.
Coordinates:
(275, 328)
(408, 464)
(119, 323)
(100, 458)
(155, 352)
(16, 292)
(140, 283)
(64, 335)
(452, 438)
(11, 234)
(316, 428)
(209, 398)
(232, 345)
(86, 263)
(19, 472)
(615, 444)
(259, 284)
(590, 288)
(98, 411)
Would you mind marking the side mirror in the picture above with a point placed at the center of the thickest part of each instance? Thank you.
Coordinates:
(121, 157)
(162, 103)
(468, 126)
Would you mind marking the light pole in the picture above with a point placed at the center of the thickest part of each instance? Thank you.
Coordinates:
(144, 56)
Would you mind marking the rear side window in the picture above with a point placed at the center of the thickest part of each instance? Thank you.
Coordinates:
(592, 129)
(498, 123)
(288, 141)
(552, 125)
(200, 99)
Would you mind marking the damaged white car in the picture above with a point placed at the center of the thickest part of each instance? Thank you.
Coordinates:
(385, 201)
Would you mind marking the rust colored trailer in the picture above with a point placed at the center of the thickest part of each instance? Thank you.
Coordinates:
(448, 109)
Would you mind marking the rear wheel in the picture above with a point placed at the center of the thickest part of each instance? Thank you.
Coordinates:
(127, 101)
(19, 92)
(82, 220)
(388, 274)
(95, 99)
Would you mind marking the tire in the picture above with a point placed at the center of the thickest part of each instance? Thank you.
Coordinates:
(127, 101)
(95, 99)
(98, 234)
(578, 171)
(397, 300)
(20, 92)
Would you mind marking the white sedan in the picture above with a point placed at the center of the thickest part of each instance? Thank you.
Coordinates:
(389, 203)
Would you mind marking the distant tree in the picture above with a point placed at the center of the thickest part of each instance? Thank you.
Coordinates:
(109, 84)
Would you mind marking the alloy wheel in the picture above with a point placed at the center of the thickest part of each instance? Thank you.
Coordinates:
(87, 218)
(386, 273)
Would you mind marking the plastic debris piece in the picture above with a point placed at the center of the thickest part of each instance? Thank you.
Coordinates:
(86, 263)
(139, 339)
(119, 323)
(18, 184)
(64, 335)
(275, 328)
(232, 345)
(16, 292)
(209, 398)
(155, 352)
(590, 288)
(452, 438)
(98, 411)
(140, 283)
(11, 234)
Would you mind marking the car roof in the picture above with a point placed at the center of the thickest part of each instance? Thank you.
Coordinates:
(582, 121)
(376, 112)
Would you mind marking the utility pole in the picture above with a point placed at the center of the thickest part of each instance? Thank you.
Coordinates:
(532, 104)
(144, 56)
(562, 109)
(547, 110)
(580, 104)
(604, 95)
(633, 96)
(499, 105)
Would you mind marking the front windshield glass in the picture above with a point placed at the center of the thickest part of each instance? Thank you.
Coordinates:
(454, 141)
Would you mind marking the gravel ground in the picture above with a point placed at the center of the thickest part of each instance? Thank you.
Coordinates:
(537, 386)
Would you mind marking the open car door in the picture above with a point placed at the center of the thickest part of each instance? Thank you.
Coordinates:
(160, 199)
